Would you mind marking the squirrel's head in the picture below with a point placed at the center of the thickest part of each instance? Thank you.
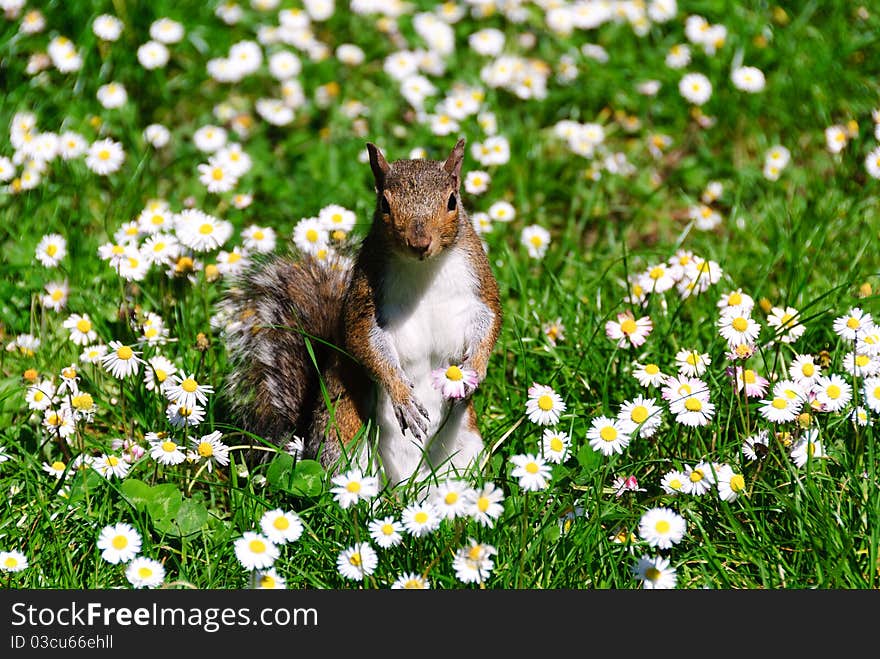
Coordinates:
(418, 202)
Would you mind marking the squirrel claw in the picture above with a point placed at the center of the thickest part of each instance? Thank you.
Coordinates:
(412, 416)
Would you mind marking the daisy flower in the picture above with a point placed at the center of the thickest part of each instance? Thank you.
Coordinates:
(698, 479)
(502, 211)
(691, 363)
(56, 468)
(626, 330)
(357, 561)
(156, 376)
(119, 543)
(268, 580)
(180, 416)
(853, 324)
(145, 572)
(450, 498)
(255, 551)
(832, 392)
(622, 485)
(738, 327)
(649, 375)
(386, 532)
(860, 365)
(655, 573)
(122, 360)
(51, 249)
(804, 371)
(532, 471)
(544, 405)
(105, 157)
(751, 383)
(216, 176)
(554, 331)
(56, 295)
(411, 581)
(555, 445)
(110, 465)
(421, 519)
(259, 239)
(693, 410)
(807, 448)
(166, 452)
(536, 240)
(657, 278)
(281, 527)
(187, 391)
(642, 415)
(39, 396)
(871, 388)
(210, 449)
(673, 482)
(201, 232)
(81, 330)
(310, 236)
(454, 381)
(476, 182)
(695, 88)
(484, 504)
(352, 487)
(748, 79)
(473, 563)
(736, 301)
(730, 483)
(662, 527)
(60, 422)
(608, 436)
(107, 27)
(781, 409)
(785, 323)
(12, 561)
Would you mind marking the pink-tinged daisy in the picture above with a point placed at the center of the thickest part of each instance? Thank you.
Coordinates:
(854, 324)
(608, 436)
(622, 485)
(751, 383)
(532, 471)
(544, 405)
(626, 330)
(676, 389)
(454, 381)
(693, 410)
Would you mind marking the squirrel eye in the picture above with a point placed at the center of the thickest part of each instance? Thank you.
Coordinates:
(450, 205)
(383, 200)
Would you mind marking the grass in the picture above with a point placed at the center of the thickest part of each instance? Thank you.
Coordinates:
(807, 240)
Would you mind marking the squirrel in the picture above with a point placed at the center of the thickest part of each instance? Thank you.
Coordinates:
(365, 333)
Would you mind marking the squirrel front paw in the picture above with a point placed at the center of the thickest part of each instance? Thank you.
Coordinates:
(412, 416)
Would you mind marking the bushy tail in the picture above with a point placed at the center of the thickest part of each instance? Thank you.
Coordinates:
(267, 315)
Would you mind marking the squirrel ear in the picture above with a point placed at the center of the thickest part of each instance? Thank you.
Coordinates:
(453, 162)
(379, 165)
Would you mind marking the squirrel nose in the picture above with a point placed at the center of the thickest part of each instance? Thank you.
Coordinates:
(419, 243)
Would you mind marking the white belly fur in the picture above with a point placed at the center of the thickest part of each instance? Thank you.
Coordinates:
(428, 310)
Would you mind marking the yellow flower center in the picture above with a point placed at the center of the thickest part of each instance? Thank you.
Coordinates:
(112, 460)
(169, 447)
(57, 294)
(118, 249)
(536, 241)
(413, 584)
(58, 466)
(312, 236)
(808, 369)
(157, 219)
(259, 235)
(82, 401)
(421, 517)
(354, 487)
(52, 250)
(877, 392)
(608, 433)
(206, 450)
(104, 154)
(628, 326)
(206, 229)
(852, 323)
(120, 542)
(833, 391)
(454, 373)
(740, 324)
(556, 445)
(38, 396)
(696, 475)
(475, 553)
(387, 529)
(532, 467)
(693, 358)
(734, 299)
(355, 559)
(217, 173)
(862, 360)
(451, 498)
(545, 402)
(749, 376)
(257, 546)
(737, 483)
(161, 375)
(662, 526)
(656, 272)
(639, 413)
(779, 403)
(786, 320)
(266, 581)
(124, 352)
(144, 572)
(189, 385)
(652, 369)
(281, 523)
(652, 574)
(234, 257)
(693, 404)
(83, 325)
(483, 502)
(675, 484)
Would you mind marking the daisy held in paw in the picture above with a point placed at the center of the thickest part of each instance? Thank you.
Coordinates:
(455, 381)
